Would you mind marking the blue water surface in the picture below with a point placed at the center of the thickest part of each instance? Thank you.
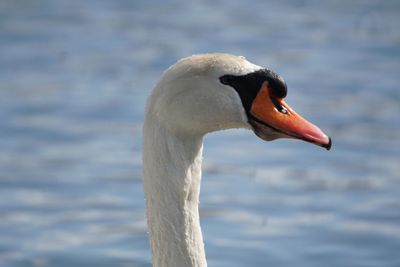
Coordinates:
(74, 76)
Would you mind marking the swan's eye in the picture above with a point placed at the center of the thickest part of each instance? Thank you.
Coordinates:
(226, 79)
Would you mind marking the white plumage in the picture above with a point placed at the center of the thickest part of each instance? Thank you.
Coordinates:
(188, 102)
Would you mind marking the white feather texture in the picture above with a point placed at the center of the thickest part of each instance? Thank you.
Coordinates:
(188, 102)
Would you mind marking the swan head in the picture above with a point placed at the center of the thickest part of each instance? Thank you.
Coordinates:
(210, 92)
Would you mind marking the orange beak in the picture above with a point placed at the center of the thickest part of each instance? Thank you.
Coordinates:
(270, 111)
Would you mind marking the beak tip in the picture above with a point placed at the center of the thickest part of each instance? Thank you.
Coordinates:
(328, 145)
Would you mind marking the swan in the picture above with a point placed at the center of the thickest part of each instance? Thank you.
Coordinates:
(197, 95)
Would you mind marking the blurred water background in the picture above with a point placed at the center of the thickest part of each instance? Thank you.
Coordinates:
(74, 76)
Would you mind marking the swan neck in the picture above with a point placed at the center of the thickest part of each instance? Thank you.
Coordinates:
(172, 176)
